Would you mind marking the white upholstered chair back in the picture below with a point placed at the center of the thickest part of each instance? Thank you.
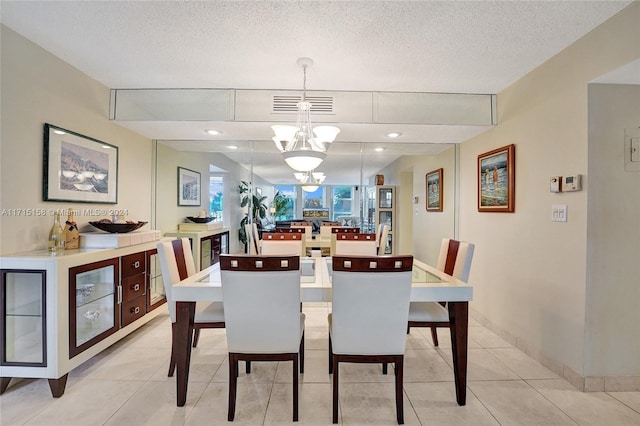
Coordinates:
(325, 229)
(282, 243)
(370, 304)
(455, 258)
(383, 233)
(261, 296)
(176, 264)
(358, 244)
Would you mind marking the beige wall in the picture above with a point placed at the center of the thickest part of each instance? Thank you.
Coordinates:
(422, 231)
(39, 88)
(613, 235)
(530, 274)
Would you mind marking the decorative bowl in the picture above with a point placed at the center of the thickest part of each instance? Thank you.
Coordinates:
(118, 228)
(92, 314)
(84, 290)
(200, 219)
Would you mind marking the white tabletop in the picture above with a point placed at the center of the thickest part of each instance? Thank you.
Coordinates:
(429, 284)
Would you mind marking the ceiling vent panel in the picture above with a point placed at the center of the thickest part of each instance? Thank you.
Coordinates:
(172, 104)
(434, 108)
(281, 106)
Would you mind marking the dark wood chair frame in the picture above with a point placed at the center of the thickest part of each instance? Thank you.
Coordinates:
(361, 264)
(452, 254)
(178, 252)
(271, 263)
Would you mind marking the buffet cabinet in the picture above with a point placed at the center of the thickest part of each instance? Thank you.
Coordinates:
(58, 311)
(205, 245)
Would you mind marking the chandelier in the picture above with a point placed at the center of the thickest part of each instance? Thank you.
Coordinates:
(303, 146)
(311, 180)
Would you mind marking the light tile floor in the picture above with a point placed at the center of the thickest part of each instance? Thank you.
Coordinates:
(128, 385)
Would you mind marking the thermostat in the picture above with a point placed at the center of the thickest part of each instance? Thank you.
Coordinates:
(554, 183)
(571, 183)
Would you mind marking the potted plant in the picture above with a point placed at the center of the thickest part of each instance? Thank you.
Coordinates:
(255, 206)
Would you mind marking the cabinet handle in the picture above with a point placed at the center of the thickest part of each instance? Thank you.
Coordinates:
(135, 310)
(119, 294)
(136, 287)
(136, 264)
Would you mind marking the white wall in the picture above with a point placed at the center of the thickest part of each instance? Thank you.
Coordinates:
(530, 274)
(39, 88)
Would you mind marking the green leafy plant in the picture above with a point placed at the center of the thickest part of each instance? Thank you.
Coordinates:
(255, 205)
(280, 205)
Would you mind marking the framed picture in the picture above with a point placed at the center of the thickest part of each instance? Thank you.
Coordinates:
(434, 190)
(188, 187)
(78, 168)
(496, 180)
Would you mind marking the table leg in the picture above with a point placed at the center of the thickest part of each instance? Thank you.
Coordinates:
(459, 319)
(185, 312)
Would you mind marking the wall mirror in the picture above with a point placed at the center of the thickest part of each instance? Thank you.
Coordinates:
(348, 191)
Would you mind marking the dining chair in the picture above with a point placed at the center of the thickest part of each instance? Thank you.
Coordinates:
(381, 239)
(308, 229)
(277, 243)
(261, 297)
(352, 243)
(176, 264)
(370, 308)
(454, 259)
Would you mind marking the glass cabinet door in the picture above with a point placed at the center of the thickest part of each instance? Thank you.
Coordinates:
(155, 293)
(23, 331)
(93, 303)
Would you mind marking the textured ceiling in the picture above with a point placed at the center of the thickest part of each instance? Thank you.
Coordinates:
(407, 46)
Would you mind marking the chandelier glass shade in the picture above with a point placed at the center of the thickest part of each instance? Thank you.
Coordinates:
(303, 146)
(310, 181)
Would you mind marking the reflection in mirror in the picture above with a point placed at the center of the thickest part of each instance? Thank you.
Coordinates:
(348, 193)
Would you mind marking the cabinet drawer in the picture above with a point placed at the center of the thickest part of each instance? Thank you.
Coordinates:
(133, 264)
(133, 309)
(133, 287)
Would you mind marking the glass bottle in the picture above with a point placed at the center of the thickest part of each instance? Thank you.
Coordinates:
(71, 233)
(56, 236)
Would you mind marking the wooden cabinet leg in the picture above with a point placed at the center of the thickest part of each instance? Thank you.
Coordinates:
(57, 386)
(4, 384)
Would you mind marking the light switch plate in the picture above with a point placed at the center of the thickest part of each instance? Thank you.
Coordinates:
(559, 213)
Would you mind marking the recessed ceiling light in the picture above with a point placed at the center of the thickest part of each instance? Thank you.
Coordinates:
(379, 149)
(213, 132)
(232, 147)
(394, 134)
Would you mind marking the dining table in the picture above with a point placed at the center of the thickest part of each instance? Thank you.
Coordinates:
(428, 285)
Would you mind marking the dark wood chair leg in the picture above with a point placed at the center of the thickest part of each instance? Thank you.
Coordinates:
(335, 369)
(399, 396)
(330, 356)
(196, 336)
(295, 388)
(434, 335)
(233, 383)
(4, 384)
(301, 354)
(57, 386)
(172, 360)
